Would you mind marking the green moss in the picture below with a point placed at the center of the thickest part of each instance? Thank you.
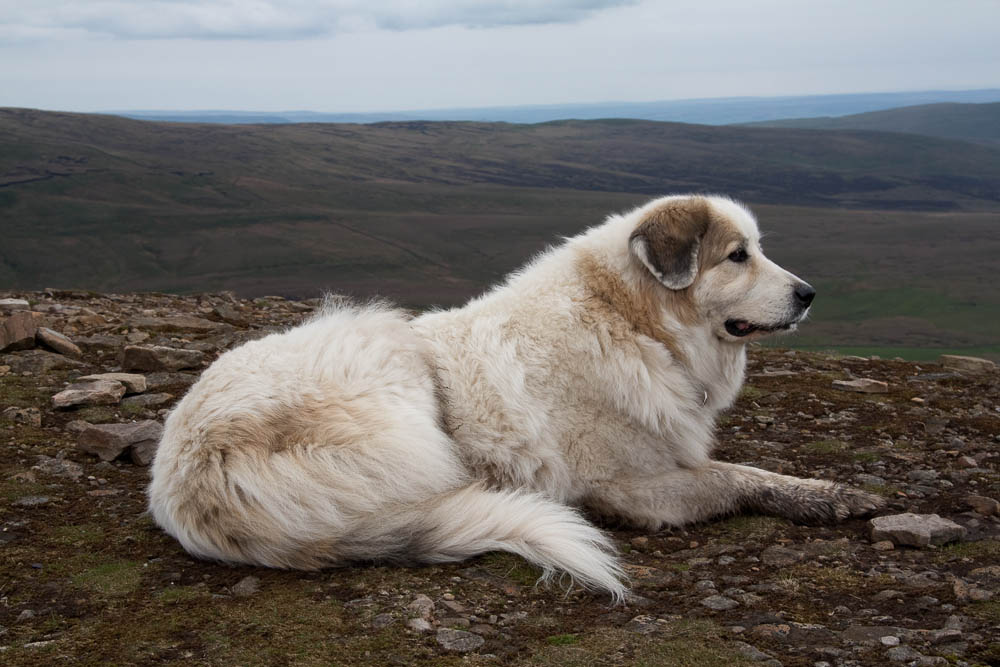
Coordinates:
(839, 579)
(988, 611)
(563, 640)
(176, 594)
(114, 578)
(748, 527)
(97, 414)
(77, 536)
(511, 567)
(988, 550)
(884, 490)
(825, 447)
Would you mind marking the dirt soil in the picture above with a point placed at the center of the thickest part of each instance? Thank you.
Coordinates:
(87, 578)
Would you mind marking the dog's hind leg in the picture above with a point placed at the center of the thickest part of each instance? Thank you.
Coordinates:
(686, 495)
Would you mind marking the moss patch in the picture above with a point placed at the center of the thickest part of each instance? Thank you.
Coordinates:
(113, 578)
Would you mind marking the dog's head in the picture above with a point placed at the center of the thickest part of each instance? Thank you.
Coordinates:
(708, 248)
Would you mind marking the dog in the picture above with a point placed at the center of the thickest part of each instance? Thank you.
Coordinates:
(591, 378)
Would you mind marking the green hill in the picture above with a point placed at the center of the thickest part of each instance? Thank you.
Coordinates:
(978, 123)
(899, 232)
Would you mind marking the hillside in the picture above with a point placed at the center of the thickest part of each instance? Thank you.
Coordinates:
(708, 111)
(88, 579)
(899, 233)
(978, 123)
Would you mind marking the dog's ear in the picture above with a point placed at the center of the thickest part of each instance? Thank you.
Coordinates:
(668, 239)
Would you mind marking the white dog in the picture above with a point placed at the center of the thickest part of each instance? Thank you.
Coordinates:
(592, 377)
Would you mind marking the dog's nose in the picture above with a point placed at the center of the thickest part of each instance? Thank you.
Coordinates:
(804, 294)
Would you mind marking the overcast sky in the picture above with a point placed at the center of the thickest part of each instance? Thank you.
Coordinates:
(382, 55)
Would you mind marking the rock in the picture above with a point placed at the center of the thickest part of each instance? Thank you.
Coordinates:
(983, 505)
(59, 467)
(870, 635)
(10, 305)
(147, 400)
(230, 315)
(916, 530)
(889, 640)
(962, 363)
(944, 635)
(246, 587)
(964, 591)
(421, 607)
(29, 416)
(31, 501)
(180, 323)
(751, 652)
(419, 625)
(108, 441)
(142, 453)
(459, 641)
(134, 383)
(781, 556)
(159, 358)
(99, 343)
(883, 545)
(643, 625)
(903, 654)
(862, 386)
(922, 475)
(719, 603)
(17, 332)
(89, 392)
(58, 342)
(160, 381)
(382, 621)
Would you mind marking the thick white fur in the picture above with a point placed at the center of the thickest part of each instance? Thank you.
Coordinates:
(365, 434)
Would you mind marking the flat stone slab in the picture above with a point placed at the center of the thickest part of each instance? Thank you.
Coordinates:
(963, 363)
(56, 341)
(183, 323)
(862, 386)
(108, 441)
(10, 305)
(89, 392)
(915, 530)
(459, 641)
(134, 383)
(160, 358)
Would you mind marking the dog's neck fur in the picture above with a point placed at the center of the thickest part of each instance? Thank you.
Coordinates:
(622, 286)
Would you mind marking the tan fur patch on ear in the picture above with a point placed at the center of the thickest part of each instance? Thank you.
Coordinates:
(668, 239)
(622, 311)
(719, 239)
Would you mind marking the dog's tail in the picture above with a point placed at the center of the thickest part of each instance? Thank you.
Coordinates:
(474, 520)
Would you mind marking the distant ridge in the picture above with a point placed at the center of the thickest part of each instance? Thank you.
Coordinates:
(708, 111)
(968, 122)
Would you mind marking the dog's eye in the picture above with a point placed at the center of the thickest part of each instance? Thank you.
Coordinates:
(738, 255)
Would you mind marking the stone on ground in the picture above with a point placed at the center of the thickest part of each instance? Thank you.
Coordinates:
(58, 342)
(108, 441)
(915, 530)
(160, 358)
(963, 363)
(134, 383)
(862, 386)
(17, 332)
(89, 392)
(459, 641)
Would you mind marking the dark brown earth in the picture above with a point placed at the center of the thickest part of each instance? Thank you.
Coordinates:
(86, 578)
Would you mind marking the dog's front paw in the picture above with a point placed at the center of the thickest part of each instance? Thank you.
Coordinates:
(818, 502)
(851, 502)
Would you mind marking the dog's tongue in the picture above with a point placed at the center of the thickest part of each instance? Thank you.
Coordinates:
(742, 326)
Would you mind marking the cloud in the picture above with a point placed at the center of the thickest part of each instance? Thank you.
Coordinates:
(274, 19)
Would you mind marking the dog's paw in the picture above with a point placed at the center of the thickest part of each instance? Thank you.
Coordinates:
(819, 502)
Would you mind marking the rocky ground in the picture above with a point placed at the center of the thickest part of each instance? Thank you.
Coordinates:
(86, 578)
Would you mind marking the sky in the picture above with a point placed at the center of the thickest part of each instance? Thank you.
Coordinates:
(385, 55)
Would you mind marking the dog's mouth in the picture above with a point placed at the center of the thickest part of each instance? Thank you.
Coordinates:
(741, 328)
